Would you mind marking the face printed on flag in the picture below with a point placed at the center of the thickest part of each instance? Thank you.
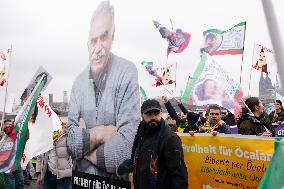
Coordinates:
(2, 75)
(212, 42)
(218, 42)
(211, 84)
(28, 90)
(177, 40)
(263, 59)
(211, 91)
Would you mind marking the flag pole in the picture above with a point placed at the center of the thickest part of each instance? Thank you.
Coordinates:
(243, 54)
(5, 101)
(275, 36)
(251, 68)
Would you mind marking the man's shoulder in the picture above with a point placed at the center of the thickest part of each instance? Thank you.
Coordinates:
(169, 135)
(246, 123)
(122, 63)
(83, 76)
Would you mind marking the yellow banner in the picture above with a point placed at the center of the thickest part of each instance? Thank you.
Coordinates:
(225, 162)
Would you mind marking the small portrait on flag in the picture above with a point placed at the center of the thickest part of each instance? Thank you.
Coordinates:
(210, 91)
(2, 74)
(36, 78)
(177, 39)
(211, 43)
(261, 63)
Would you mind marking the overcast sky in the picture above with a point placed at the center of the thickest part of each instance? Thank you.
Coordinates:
(54, 34)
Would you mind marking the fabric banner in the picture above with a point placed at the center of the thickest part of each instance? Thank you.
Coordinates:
(162, 75)
(12, 146)
(211, 84)
(218, 42)
(279, 130)
(88, 181)
(273, 177)
(143, 93)
(10, 97)
(263, 59)
(40, 71)
(4, 66)
(226, 161)
(177, 40)
(41, 132)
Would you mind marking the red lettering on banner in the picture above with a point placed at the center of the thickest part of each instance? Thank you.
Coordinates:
(41, 103)
(46, 108)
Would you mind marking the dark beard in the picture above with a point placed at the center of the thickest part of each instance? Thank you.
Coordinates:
(153, 124)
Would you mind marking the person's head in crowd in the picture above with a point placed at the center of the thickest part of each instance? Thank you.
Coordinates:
(242, 111)
(8, 126)
(8, 123)
(101, 36)
(206, 115)
(214, 114)
(255, 106)
(278, 105)
(151, 111)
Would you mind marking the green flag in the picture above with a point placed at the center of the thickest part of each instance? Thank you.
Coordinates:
(143, 93)
(273, 177)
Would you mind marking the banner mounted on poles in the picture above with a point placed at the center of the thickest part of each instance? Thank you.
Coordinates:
(226, 161)
(211, 84)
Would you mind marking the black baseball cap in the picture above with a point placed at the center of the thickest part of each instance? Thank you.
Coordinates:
(149, 105)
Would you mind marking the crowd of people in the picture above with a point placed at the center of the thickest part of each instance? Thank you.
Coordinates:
(156, 148)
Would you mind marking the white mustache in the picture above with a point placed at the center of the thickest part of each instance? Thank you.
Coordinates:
(99, 56)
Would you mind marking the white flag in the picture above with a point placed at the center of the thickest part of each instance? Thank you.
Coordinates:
(41, 132)
(4, 65)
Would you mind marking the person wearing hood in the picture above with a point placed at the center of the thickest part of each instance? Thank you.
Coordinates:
(254, 121)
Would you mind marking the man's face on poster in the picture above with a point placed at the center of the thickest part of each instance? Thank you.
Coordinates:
(261, 59)
(100, 40)
(211, 89)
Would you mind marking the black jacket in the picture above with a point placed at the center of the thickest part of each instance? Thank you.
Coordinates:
(172, 171)
(192, 117)
(251, 125)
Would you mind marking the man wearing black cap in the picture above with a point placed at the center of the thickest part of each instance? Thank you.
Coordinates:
(157, 157)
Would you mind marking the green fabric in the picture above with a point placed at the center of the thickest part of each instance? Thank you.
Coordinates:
(182, 125)
(194, 79)
(24, 119)
(2, 181)
(273, 177)
(143, 93)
